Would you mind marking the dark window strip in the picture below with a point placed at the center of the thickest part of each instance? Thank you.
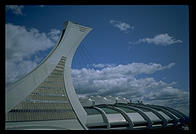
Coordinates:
(41, 110)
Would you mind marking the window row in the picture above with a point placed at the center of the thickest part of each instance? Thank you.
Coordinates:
(48, 94)
(40, 110)
(46, 101)
(33, 116)
(30, 105)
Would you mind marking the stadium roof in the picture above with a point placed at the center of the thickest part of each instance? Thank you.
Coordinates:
(120, 113)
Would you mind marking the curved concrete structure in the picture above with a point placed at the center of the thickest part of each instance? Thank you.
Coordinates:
(164, 121)
(174, 119)
(103, 115)
(45, 98)
(123, 115)
(19, 93)
(146, 118)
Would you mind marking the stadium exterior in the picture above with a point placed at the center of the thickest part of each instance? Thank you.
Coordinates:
(45, 98)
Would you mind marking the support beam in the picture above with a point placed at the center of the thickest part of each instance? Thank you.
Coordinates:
(177, 114)
(149, 122)
(174, 119)
(103, 115)
(124, 114)
(164, 121)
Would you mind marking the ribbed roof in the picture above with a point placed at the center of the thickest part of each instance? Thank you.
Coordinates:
(119, 113)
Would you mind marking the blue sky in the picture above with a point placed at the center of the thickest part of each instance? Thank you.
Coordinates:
(146, 48)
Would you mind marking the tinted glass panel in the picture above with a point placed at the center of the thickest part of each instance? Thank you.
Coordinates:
(127, 110)
(108, 110)
(92, 111)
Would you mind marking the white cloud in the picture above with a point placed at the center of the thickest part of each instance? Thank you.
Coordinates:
(128, 71)
(121, 81)
(122, 26)
(102, 65)
(161, 40)
(170, 96)
(110, 78)
(137, 68)
(54, 34)
(118, 80)
(15, 9)
(23, 48)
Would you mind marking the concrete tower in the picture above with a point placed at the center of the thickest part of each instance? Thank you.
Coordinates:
(45, 98)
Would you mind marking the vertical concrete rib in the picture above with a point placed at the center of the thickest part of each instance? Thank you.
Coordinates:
(174, 119)
(164, 121)
(149, 122)
(124, 114)
(103, 115)
(183, 115)
(176, 113)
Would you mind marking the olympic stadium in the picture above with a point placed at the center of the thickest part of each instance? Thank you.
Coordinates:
(45, 98)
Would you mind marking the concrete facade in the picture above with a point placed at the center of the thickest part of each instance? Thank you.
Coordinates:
(66, 46)
(45, 98)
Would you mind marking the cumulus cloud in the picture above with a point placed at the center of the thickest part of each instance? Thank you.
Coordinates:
(122, 26)
(120, 80)
(116, 78)
(23, 49)
(161, 40)
(15, 9)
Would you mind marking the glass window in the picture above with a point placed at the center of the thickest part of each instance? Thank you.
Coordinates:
(108, 110)
(127, 110)
(92, 111)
